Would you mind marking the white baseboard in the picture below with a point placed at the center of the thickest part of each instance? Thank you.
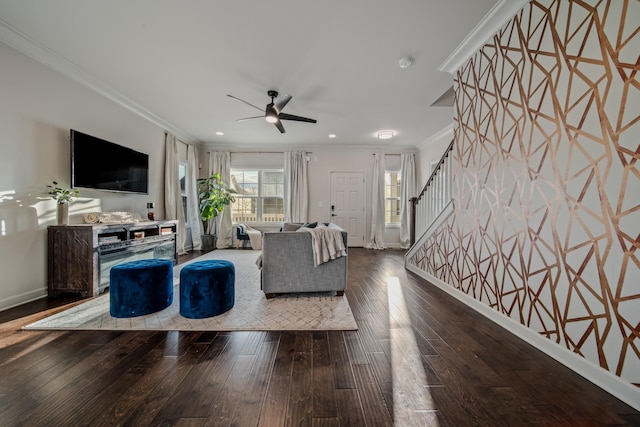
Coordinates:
(16, 300)
(607, 381)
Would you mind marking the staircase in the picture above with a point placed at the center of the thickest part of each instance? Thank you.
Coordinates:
(434, 204)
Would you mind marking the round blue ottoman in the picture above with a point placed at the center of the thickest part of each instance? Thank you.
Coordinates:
(140, 287)
(207, 288)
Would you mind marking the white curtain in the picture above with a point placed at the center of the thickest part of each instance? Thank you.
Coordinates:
(220, 162)
(376, 239)
(193, 205)
(172, 195)
(407, 191)
(296, 186)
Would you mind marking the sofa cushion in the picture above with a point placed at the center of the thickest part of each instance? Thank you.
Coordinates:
(290, 226)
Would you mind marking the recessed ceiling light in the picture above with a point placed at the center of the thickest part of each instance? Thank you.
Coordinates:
(386, 134)
(219, 133)
(332, 135)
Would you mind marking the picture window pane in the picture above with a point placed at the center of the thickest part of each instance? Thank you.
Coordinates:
(260, 195)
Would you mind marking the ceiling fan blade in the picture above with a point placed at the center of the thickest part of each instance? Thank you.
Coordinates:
(284, 116)
(284, 100)
(242, 100)
(249, 118)
(278, 124)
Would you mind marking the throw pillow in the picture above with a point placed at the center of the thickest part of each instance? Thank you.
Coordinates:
(288, 226)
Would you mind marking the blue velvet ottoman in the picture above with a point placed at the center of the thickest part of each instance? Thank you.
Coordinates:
(140, 287)
(207, 288)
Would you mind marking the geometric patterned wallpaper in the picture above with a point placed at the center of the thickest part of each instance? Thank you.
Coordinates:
(546, 223)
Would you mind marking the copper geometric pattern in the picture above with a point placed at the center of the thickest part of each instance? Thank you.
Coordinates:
(546, 223)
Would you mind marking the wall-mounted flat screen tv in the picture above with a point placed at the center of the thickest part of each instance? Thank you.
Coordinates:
(104, 165)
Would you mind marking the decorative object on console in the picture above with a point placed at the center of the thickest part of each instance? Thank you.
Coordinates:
(119, 217)
(150, 214)
(112, 217)
(213, 195)
(62, 213)
(63, 197)
(92, 217)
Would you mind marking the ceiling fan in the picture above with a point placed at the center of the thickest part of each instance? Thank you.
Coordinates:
(273, 111)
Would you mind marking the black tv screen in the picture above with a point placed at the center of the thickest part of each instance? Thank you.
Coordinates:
(104, 165)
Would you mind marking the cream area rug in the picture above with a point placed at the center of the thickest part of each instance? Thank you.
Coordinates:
(251, 312)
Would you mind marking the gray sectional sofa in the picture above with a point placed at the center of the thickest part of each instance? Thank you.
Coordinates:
(288, 266)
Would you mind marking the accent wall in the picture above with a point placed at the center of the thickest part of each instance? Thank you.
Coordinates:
(545, 228)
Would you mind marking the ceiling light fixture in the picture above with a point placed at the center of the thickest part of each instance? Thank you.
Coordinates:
(219, 133)
(271, 114)
(386, 134)
(332, 135)
(405, 62)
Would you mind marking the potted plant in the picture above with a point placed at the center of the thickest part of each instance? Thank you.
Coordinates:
(214, 195)
(63, 197)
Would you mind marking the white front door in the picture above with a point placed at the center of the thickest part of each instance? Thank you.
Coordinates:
(347, 204)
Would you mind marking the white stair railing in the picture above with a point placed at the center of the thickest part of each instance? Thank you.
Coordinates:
(434, 198)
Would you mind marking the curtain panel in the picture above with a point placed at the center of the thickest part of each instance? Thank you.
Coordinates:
(220, 162)
(193, 205)
(376, 238)
(296, 186)
(407, 191)
(172, 195)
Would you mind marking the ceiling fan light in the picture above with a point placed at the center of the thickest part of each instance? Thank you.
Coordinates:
(271, 114)
(385, 134)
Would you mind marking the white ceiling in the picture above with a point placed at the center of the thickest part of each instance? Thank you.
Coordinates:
(175, 61)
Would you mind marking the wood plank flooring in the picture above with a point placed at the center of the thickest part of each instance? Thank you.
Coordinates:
(419, 358)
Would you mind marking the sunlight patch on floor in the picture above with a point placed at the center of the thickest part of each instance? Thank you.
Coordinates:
(412, 402)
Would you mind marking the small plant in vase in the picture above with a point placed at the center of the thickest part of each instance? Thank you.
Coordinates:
(63, 197)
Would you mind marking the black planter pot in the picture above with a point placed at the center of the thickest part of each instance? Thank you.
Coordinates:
(208, 242)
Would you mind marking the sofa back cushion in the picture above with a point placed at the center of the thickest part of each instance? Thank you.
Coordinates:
(291, 226)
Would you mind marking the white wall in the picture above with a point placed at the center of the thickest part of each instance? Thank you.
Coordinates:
(37, 108)
(431, 151)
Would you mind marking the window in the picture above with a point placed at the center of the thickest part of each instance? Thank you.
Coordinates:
(392, 198)
(260, 195)
(182, 175)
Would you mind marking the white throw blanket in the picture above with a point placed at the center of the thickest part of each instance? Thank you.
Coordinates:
(255, 237)
(327, 244)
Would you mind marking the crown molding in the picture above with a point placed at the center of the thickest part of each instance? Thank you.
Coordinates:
(500, 14)
(23, 44)
(316, 148)
(446, 132)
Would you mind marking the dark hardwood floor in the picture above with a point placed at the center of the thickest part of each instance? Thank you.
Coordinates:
(420, 357)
